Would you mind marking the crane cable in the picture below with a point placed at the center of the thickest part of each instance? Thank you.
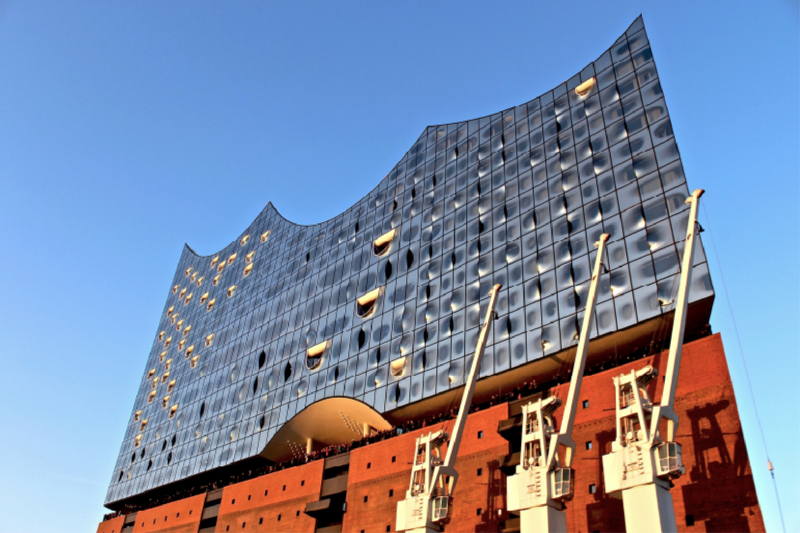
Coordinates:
(744, 364)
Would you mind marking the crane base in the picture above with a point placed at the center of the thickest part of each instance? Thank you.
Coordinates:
(649, 508)
(541, 519)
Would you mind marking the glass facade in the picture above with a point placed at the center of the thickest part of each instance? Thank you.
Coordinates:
(516, 198)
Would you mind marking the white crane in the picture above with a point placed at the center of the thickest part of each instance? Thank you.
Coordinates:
(641, 464)
(542, 483)
(426, 506)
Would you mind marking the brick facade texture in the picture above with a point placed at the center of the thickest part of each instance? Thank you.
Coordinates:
(717, 492)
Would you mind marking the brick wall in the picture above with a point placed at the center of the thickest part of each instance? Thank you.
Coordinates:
(272, 503)
(182, 516)
(717, 492)
(111, 526)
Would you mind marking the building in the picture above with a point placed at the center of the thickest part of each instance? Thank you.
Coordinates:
(273, 356)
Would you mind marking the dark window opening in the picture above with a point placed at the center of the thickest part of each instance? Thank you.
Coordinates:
(394, 458)
(287, 373)
(356, 227)
(262, 359)
(588, 445)
(480, 471)
(255, 385)
(362, 338)
(480, 434)
(585, 404)
(479, 511)
(592, 488)
(689, 519)
(366, 499)
(388, 270)
(409, 258)
(369, 465)
(202, 409)
(391, 492)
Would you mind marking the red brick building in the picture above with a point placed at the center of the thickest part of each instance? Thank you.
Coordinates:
(716, 493)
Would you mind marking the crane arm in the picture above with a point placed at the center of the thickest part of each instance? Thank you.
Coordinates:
(447, 467)
(666, 408)
(564, 436)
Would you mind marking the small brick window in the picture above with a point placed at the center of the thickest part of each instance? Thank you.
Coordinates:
(394, 458)
(261, 520)
(297, 513)
(366, 498)
(585, 404)
(480, 471)
(479, 511)
(279, 518)
(369, 465)
(284, 487)
(388, 529)
(588, 445)
(689, 519)
(266, 492)
(233, 501)
(248, 497)
(228, 528)
(391, 492)
(592, 488)
(303, 483)
(244, 524)
(480, 434)
(177, 515)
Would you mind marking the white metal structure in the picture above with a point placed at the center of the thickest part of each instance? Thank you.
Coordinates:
(426, 507)
(542, 482)
(641, 463)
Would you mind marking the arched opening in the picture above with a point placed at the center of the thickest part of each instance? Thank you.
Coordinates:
(382, 244)
(367, 304)
(313, 357)
(397, 366)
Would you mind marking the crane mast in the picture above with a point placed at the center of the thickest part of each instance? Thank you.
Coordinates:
(642, 464)
(543, 483)
(426, 507)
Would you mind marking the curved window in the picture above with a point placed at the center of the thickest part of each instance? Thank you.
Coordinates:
(232, 258)
(397, 366)
(214, 262)
(249, 257)
(188, 271)
(211, 304)
(231, 290)
(203, 298)
(173, 410)
(382, 244)
(265, 236)
(247, 269)
(215, 280)
(314, 355)
(585, 88)
(193, 361)
(244, 240)
(367, 304)
(189, 351)
(209, 338)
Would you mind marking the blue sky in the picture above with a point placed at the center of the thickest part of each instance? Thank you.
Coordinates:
(127, 129)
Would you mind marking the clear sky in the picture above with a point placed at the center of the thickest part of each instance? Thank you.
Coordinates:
(129, 128)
